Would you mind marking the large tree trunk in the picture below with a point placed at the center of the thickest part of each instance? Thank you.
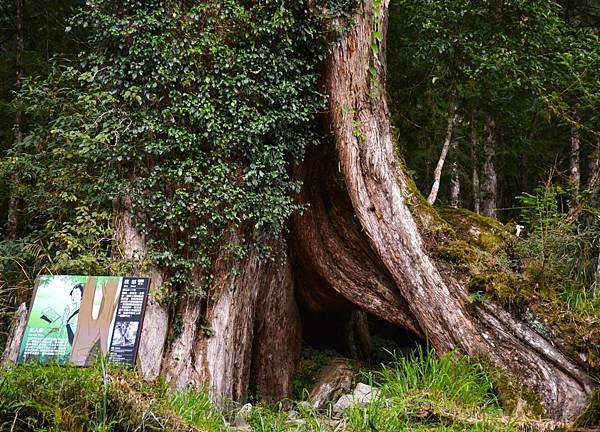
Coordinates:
(399, 274)
(249, 322)
(358, 246)
(489, 183)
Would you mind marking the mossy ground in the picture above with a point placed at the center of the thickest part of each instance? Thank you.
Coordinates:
(485, 255)
(419, 392)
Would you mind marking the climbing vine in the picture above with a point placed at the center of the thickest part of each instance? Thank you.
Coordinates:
(194, 112)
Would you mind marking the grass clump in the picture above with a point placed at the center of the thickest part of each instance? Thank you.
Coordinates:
(197, 408)
(451, 380)
(424, 392)
(101, 398)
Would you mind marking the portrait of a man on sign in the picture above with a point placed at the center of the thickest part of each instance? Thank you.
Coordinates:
(73, 319)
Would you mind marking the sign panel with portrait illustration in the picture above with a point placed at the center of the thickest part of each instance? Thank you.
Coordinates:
(73, 319)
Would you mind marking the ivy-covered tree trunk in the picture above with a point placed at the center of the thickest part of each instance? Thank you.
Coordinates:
(362, 237)
(360, 245)
(249, 324)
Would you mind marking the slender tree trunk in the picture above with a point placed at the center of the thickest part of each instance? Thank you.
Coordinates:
(489, 184)
(475, 169)
(594, 188)
(379, 192)
(594, 173)
(454, 179)
(597, 291)
(574, 166)
(437, 174)
(12, 226)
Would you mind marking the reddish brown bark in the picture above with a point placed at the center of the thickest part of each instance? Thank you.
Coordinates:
(385, 222)
(248, 324)
(277, 333)
(359, 245)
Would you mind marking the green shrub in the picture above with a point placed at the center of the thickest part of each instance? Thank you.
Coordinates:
(559, 250)
(34, 397)
(101, 398)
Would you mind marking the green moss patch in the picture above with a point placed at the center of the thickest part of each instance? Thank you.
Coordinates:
(483, 232)
(73, 399)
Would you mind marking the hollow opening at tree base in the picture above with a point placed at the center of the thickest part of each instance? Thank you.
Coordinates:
(351, 333)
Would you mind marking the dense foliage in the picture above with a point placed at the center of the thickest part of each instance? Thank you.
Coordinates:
(531, 66)
(194, 114)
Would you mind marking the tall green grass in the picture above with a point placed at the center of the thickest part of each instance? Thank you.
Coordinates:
(424, 392)
(451, 378)
(197, 407)
(418, 392)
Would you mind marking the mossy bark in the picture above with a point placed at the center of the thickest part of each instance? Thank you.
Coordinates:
(364, 243)
(399, 281)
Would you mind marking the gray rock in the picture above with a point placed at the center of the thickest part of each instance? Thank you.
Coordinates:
(362, 396)
(241, 417)
(343, 403)
(293, 415)
(364, 393)
(335, 379)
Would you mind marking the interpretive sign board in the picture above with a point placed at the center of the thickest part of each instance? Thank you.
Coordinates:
(73, 319)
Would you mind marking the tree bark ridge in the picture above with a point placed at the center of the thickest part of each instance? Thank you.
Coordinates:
(379, 192)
